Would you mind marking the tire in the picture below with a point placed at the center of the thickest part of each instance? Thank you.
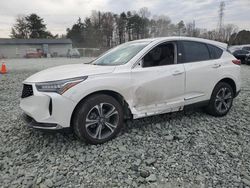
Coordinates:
(220, 104)
(98, 119)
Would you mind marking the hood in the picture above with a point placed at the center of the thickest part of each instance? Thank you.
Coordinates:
(69, 71)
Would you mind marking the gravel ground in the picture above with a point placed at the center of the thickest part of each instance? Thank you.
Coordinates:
(190, 149)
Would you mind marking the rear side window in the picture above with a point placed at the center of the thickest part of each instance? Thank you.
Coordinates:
(194, 51)
(215, 53)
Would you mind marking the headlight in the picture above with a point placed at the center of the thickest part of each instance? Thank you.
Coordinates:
(59, 86)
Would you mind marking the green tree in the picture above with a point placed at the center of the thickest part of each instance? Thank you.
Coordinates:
(242, 37)
(144, 13)
(107, 26)
(20, 30)
(129, 25)
(98, 31)
(91, 39)
(31, 26)
(136, 26)
(181, 27)
(121, 22)
(36, 26)
(76, 33)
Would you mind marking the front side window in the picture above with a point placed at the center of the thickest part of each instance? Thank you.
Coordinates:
(121, 54)
(162, 54)
(194, 51)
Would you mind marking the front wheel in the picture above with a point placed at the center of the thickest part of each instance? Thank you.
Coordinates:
(98, 119)
(221, 100)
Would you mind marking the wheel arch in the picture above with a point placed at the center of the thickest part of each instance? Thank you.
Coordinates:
(114, 94)
(231, 82)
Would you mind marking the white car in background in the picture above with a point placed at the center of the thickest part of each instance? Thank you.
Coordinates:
(133, 80)
(73, 53)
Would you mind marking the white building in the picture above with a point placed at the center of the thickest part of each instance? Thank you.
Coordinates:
(17, 48)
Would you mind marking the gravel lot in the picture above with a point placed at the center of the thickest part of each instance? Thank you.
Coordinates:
(190, 149)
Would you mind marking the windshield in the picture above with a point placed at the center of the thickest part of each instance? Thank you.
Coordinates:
(121, 54)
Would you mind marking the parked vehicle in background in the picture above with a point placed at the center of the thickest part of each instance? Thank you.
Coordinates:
(246, 48)
(73, 53)
(133, 80)
(242, 55)
(34, 53)
(247, 61)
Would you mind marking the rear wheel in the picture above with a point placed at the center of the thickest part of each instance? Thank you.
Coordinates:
(98, 119)
(221, 100)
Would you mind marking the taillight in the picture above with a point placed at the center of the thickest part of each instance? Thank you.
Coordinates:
(236, 61)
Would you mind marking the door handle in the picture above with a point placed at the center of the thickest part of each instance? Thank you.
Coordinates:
(177, 72)
(216, 65)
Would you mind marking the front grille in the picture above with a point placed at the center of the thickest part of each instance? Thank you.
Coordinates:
(27, 91)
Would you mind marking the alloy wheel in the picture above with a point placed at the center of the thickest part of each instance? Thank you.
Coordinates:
(223, 100)
(102, 120)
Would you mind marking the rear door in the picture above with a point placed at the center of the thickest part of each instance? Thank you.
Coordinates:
(202, 66)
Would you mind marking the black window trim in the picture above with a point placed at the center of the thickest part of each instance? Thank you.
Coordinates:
(181, 52)
(174, 42)
(210, 51)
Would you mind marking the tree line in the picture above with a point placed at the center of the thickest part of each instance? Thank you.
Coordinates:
(107, 29)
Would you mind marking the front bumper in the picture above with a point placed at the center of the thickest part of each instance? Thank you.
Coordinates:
(47, 110)
(34, 124)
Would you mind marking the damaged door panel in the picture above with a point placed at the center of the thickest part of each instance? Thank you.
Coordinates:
(160, 82)
(158, 89)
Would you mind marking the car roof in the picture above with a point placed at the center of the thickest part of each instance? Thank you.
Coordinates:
(212, 42)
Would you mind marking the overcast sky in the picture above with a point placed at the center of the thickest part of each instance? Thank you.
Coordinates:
(60, 14)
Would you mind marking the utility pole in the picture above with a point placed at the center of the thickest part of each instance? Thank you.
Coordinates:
(221, 16)
(99, 19)
(193, 29)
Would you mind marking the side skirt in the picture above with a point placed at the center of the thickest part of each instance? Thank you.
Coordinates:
(196, 105)
(176, 109)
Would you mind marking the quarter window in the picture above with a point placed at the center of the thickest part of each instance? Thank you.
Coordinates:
(215, 53)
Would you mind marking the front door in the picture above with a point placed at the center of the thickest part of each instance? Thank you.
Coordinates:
(158, 85)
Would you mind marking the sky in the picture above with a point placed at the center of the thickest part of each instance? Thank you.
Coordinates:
(62, 14)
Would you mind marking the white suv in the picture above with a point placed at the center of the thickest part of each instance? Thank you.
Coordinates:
(136, 79)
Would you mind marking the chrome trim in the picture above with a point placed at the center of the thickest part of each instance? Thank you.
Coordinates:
(36, 125)
(193, 97)
(58, 127)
